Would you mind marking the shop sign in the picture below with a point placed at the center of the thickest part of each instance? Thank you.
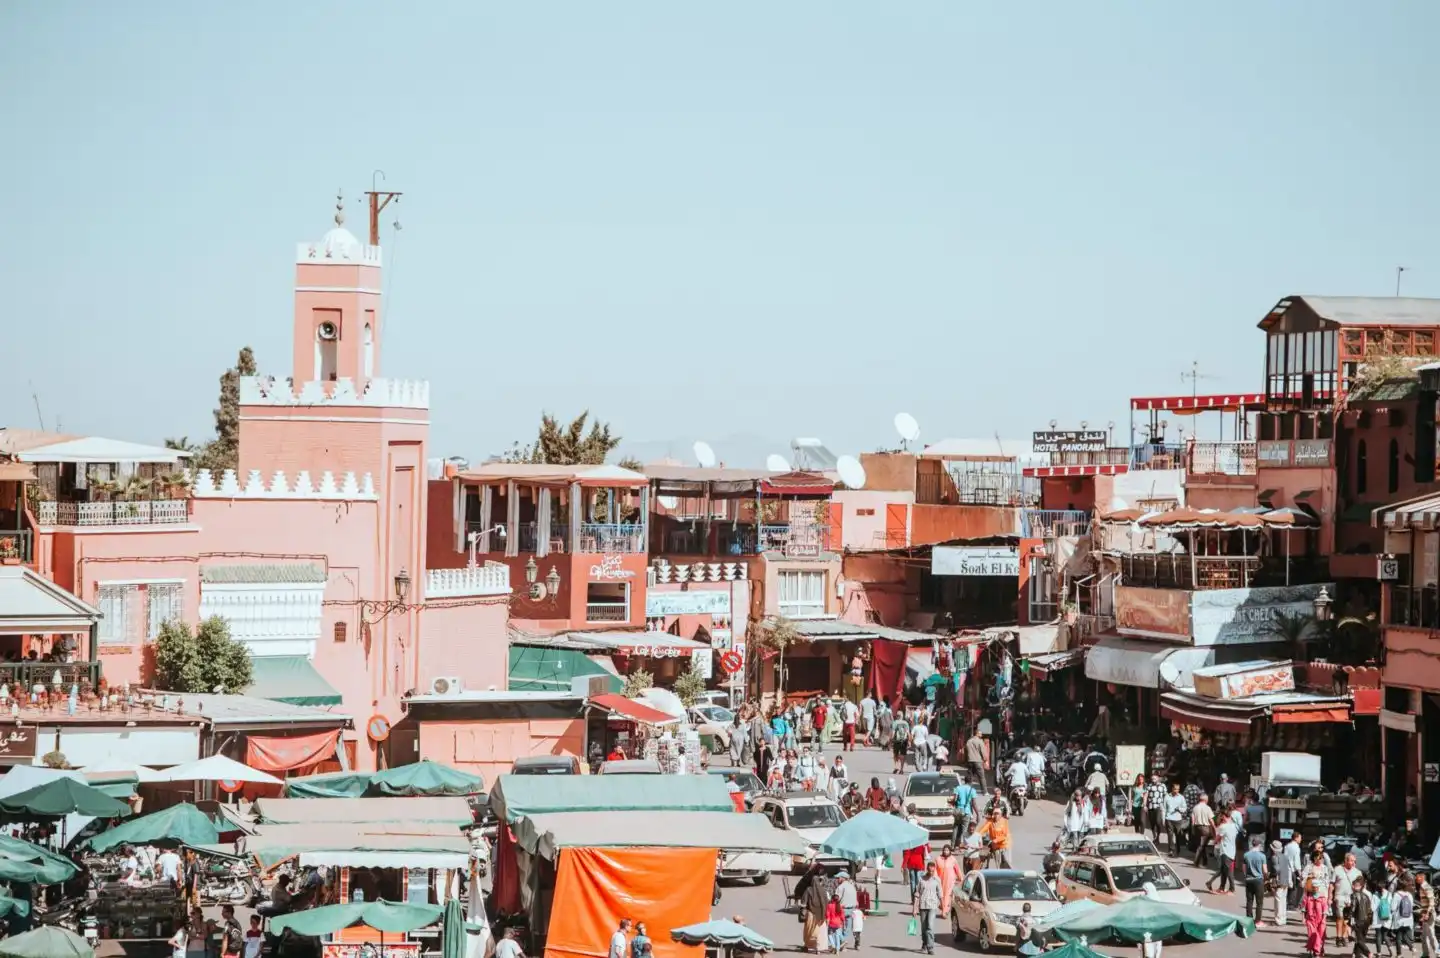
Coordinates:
(17, 743)
(658, 651)
(1311, 452)
(694, 602)
(721, 638)
(1249, 616)
(1068, 440)
(1292, 453)
(1240, 685)
(1432, 772)
(1152, 612)
(703, 661)
(975, 561)
(609, 567)
(1273, 453)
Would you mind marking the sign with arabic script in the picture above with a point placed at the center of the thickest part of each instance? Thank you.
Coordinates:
(695, 602)
(1069, 440)
(975, 560)
(610, 567)
(17, 743)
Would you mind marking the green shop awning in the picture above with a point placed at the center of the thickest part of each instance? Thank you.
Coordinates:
(550, 670)
(291, 679)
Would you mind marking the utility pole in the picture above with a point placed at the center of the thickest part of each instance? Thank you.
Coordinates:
(1195, 375)
(379, 199)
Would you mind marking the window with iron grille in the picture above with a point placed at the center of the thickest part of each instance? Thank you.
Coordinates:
(164, 602)
(119, 605)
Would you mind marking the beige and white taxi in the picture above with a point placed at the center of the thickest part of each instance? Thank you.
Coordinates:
(987, 903)
(1116, 878)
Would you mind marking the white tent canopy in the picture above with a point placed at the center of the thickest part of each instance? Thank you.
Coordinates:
(217, 768)
(142, 773)
(97, 449)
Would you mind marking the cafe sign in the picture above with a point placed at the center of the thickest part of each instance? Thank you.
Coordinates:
(610, 567)
(1069, 440)
(975, 561)
(1292, 453)
(17, 744)
(1251, 616)
(694, 602)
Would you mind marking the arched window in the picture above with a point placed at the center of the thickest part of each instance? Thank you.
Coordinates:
(1360, 468)
(1394, 465)
(369, 351)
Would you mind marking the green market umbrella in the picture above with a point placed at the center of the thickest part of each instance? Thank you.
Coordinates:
(425, 778)
(13, 906)
(328, 785)
(1144, 919)
(871, 834)
(60, 797)
(380, 915)
(452, 936)
(1065, 912)
(48, 941)
(722, 934)
(182, 824)
(1073, 950)
(27, 862)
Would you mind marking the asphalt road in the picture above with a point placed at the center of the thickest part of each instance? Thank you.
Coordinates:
(761, 907)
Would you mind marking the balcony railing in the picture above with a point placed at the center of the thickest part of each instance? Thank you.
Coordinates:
(1109, 456)
(24, 676)
(1086, 625)
(143, 512)
(529, 536)
(612, 537)
(1222, 459)
(16, 544)
(1416, 607)
(607, 612)
(1053, 523)
(1153, 456)
(1174, 571)
(490, 579)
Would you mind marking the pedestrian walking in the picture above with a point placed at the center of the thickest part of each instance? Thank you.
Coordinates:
(1202, 830)
(977, 756)
(1224, 793)
(1284, 873)
(920, 742)
(850, 716)
(1315, 899)
(900, 741)
(814, 902)
(1175, 809)
(1361, 914)
(927, 905)
(620, 941)
(1256, 870)
(1295, 857)
(1343, 881)
(868, 707)
(835, 922)
(1227, 834)
(1405, 916)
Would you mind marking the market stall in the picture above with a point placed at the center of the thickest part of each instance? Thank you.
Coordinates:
(347, 929)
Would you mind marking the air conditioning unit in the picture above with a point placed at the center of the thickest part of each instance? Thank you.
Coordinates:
(446, 685)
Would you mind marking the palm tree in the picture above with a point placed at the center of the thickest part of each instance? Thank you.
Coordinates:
(183, 444)
(1296, 630)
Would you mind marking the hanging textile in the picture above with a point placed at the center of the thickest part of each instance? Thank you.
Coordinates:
(887, 668)
(273, 753)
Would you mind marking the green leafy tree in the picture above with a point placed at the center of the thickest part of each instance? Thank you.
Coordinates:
(223, 452)
(637, 682)
(567, 444)
(689, 686)
(183, 444)
(206, 660)
(779, 634)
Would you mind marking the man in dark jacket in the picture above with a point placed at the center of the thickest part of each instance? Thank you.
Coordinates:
(1362, 916)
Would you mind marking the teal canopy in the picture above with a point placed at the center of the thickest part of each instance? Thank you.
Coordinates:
(1145, 919)
(182, 824)
(27, 862)
(550, 670)
(292, 679)
(1065, 912)
(60, 797)
(380, 915)
(13, 906)
(722, 934)
(517, 796)
(425, 778)
(871, 834)
(48, 941)
(1074, 949)
(452, 935)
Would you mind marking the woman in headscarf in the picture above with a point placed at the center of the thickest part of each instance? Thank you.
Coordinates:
(813, 896)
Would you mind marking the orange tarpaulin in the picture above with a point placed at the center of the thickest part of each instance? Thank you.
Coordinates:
(596, 887)
(1284, 715)
(274, 753)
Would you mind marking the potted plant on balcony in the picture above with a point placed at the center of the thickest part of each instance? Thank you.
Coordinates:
(174, 485)
(9, 549)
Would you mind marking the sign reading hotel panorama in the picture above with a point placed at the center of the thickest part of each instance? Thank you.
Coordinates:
(1212, 617)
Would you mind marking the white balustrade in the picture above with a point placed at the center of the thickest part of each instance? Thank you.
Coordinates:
(141, 512)
(490, 579)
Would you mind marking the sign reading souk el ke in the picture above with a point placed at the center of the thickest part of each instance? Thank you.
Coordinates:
(975, 560)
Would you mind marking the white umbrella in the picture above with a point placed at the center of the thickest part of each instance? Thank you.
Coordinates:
(142, 773)
(218, 768)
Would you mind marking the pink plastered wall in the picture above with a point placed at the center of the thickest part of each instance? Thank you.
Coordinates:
(490, 747)
(469, 638)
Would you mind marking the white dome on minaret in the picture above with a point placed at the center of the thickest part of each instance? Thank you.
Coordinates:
(340, 243)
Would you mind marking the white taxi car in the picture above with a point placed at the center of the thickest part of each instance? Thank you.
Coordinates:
(1111, 880)
(988, 902)
(930, 793)
(811, 815)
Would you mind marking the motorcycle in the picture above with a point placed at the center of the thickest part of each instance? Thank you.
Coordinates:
(1037, 786)
(1018, 798)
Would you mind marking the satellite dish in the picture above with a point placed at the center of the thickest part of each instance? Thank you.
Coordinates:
(906, 426)
(704, 455)
(777, 463)
(851, 472)
(671, 503)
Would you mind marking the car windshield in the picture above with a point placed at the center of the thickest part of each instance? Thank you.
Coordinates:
(1017, 888)
(747, 781)
(1134, 877)
(1130, 846)
(927, 785)
(541, 770)
(814, 816)
(717, 714)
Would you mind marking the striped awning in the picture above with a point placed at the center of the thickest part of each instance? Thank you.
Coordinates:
(1422, 513)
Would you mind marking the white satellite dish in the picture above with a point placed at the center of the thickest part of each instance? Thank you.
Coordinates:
(704, 454)
(851, 472)
(671, 503)
(907, 427)
(777, 463)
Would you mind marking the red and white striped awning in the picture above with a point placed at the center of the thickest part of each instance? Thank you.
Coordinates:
(1222, 402)
(1422, 513)
(1065, 472)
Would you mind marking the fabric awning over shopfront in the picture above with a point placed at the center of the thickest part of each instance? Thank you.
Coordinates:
(546, 669)
(1144, 664)
(630, 709)
(546, 834)
(516, 796)
(1236, 715)
(292, 679)
(1043, 665)
(1420, 513)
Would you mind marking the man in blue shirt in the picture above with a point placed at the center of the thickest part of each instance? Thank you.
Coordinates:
(965, 811)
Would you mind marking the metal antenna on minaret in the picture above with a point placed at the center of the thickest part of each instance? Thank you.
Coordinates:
(379, 199)
(339, 208)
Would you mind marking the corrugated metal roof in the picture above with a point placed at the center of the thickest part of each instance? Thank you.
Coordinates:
(264, 573)
(241, 710)
(1373, 310)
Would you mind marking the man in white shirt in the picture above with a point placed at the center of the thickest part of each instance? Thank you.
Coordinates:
(867, 718)
(1175, 810)
(130, 869)
(849, 715)
(508, 947)
(619, 943)
(920, 740)
(1035, 762)
(1097, 779)
(169, 865)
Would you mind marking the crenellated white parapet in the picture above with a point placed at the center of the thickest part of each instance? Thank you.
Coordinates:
(280, 486)
(394, 393)
(341, 253)
(493, 578)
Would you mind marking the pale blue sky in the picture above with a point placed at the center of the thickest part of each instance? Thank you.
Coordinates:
(701, 220)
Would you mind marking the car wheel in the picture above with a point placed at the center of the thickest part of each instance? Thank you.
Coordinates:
(762, 879)
(955, 932)
(984, 937)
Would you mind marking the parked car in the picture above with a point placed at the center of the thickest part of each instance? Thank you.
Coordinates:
(930, 793)
(1116, 845)
(630, 766)
(546, 765)
(1109, 881)
(810, 815)
(986, 904)
(706, 713)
